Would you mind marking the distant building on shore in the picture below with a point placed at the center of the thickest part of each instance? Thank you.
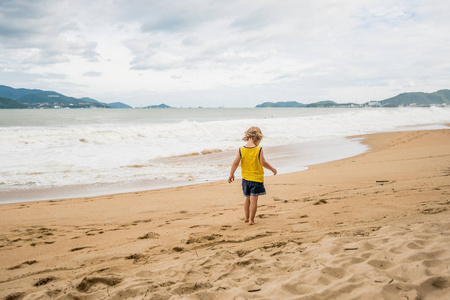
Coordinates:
(374, 104)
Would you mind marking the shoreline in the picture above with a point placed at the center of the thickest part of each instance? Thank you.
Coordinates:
(304, 154)
(370, 226)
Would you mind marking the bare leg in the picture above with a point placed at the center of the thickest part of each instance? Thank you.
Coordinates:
(247, 208)
(253, 208)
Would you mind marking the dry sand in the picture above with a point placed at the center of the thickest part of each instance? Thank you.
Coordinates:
(375, 226)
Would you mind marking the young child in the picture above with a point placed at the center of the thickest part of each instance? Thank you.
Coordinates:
(252, 161)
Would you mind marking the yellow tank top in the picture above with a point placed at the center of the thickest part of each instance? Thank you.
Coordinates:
(251, 167)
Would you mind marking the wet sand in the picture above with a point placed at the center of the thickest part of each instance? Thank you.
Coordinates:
(374, 226)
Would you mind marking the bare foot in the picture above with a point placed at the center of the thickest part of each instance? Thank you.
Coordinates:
(251, 223)
(246, 220)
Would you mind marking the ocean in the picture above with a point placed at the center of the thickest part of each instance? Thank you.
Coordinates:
(52, 154)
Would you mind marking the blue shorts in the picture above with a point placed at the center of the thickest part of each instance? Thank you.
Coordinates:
(252, 188)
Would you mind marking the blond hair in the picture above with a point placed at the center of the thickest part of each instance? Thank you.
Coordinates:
(253, 133)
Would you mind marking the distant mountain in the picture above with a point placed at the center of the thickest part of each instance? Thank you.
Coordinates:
(281, 104)
(110, 105)
(118, 105)
(90, 100)
(12, 93)
(323, 104)
(158, 106)
(10, 103)
(49, 99)
(297, 104)
(418, 98)
(441, 97)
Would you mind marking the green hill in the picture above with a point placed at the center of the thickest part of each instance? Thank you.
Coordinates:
(10, 103)
(90, 100)
(281, 104)
(12, 93)
(158, 106)
(118, 105)
(418, 98)
(297, 104)
(48, 99)
(441, 97)
(109, 105)
(323, 104)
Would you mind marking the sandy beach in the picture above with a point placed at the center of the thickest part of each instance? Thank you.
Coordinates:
(374, 226)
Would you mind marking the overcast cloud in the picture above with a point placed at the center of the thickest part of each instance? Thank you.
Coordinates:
(231, 53)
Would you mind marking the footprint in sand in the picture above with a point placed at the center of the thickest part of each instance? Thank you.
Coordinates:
(320, 202)
(265, 216)
(88, 282)
(24, 264)
(44, 281)
(94, 232)
(80, 248)
(201, 239)
(137, 257)
(15, 296)
(225, 227)
(150, 235)
(197, 226)
(134, 223)
(41, 243)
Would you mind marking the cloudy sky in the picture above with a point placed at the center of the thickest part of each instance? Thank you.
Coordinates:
(226, 53)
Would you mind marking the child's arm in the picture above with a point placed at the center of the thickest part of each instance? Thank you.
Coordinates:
(265, 164)
(234, 166)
